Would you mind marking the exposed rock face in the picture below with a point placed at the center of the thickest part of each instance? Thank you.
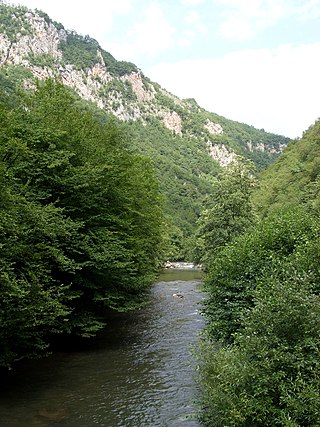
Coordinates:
(213, 128)
(172, 121)
(5, 45)
(90, 83)
(138, 88)
(221, 154)
(262, 147)
(44, 39)
(129, 97)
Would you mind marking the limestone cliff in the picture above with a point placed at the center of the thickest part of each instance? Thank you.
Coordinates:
(31, 40)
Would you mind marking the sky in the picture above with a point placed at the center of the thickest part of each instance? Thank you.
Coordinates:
(254, 61)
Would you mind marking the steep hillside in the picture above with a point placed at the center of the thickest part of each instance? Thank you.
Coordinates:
(32, 41)
(187, 144)
(294, 177)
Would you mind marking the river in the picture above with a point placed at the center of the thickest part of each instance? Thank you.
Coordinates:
(139, 372)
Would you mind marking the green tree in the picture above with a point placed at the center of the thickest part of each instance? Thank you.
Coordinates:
(270, 376)
(263, 310)
(229, 212)
(278, 244)
(33, 302)
(88, 230)
(291, 179)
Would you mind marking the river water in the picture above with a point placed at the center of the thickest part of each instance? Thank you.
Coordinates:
(140, 372)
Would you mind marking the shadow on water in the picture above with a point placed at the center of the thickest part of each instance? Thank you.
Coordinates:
(138, 372)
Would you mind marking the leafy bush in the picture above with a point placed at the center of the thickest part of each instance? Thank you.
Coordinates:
(13, 22)
(41, 59)
(276, 245)
(270, 376)
(264, 297)
(294, 178)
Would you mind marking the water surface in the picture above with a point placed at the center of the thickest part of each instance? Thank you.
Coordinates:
(138, 373)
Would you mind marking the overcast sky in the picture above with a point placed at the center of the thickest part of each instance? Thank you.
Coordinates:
(255, 61)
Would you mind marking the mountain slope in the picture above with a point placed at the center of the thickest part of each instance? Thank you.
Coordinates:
(187, 144)
(293, 178)
(34, 42)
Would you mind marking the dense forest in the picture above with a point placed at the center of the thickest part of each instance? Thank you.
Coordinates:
(82, 228)
(259, 359)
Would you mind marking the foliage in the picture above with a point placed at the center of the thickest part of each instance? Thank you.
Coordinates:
(79, 51)
(82, 53)
(41, 59)
(13, 22)
(115, 67)
(32, 301)
(116, 87)
(293, 178)
(264, 302)
(229, 210)
(184, 171)
(270, 376)
(276, 245)
(11, 81)
(264, 299)
(166, 101)
(12, 78)
(82, 221)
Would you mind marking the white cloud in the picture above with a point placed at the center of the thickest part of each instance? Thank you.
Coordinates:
(194, 20)
(243, 19)
(95, 18)
(194, 27)
(191, 2)
(307, 10)
(277, 90)
(192, 17)
(236, 28)
(151, 35)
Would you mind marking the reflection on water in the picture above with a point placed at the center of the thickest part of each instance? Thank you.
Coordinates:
(138, 373)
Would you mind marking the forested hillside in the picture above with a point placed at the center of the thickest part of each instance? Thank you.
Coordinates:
(259, 361)
(294, 178)
(187, 144)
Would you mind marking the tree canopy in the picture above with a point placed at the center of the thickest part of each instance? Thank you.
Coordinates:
(81, 221)
(229, 210)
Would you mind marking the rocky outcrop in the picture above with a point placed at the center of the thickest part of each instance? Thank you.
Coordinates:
(265, 148)
(221, 154)
(129, 97)
(172, 121)
(213, 128)
(44, 38)
(142, 93)
(90, 83)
